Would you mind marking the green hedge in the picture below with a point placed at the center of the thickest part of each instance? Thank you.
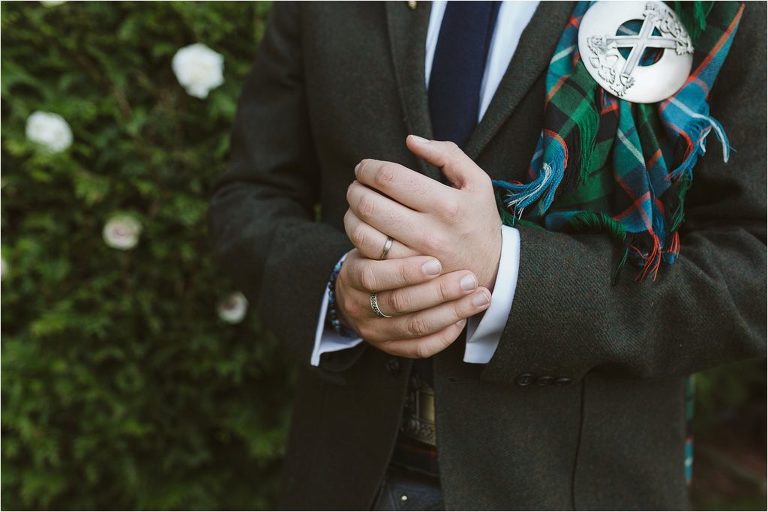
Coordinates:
(121, 386)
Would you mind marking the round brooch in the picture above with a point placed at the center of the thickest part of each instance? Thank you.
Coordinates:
(637, 51)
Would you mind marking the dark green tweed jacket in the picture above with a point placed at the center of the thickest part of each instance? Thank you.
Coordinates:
(337, 82)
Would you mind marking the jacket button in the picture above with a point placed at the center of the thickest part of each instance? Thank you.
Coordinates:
(545, 380)
(393, 366)
(562, 381)
(525, 379)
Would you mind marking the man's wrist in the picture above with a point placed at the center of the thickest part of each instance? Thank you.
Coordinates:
(334, 317)
(494, 274)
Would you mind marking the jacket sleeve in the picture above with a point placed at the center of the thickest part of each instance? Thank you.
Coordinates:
(262, 213)
(707, 309)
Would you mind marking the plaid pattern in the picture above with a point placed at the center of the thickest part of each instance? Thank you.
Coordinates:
(603, 164)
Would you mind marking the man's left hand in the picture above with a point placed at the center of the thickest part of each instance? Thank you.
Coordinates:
(458, 225)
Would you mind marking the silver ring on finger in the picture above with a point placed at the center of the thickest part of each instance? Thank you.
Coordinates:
(375, 307)
(387, 247)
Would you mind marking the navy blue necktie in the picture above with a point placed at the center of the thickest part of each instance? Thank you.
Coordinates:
(458, 67)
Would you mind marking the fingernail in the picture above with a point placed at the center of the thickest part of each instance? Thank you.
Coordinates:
(480, 299)
(357, 167)
(461, 323)
(468, 282)
(431, 268)
(419, 140)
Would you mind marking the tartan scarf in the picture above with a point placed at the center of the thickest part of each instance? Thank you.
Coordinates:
(606, 165)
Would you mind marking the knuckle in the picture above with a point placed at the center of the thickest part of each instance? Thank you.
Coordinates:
(366, 205)
(385, 175)
(404, 273)
(399, 302)
(373, 332)
(433, 243)
(417, 326)
(391, 301)
(444, 289)
(451, 146)
(348, 273)
(449, 209)
(342, 285)
(349, 221)
(421, 351)
(345, 302)
(359, 236)
(350, 307)
(453, 150)
(364, 331)
(445, 339)
(368, 278)
(458, 310)
(389, 347)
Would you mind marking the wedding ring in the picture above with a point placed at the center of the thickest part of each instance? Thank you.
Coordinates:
(387, 247)
(375, 307)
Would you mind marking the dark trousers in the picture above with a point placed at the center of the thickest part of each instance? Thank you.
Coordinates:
(405, 489)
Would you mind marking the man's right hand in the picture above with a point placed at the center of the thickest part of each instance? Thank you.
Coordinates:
(428, 310)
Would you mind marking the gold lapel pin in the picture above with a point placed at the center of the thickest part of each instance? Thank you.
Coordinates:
(412, 5)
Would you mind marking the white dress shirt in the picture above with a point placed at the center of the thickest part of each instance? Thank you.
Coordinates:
(483, 330)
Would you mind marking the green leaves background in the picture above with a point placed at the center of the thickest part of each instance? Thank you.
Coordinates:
(121, 387)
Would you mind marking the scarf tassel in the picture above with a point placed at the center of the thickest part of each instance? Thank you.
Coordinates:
(673, 251)
(542, 189)
(683, 174)
(702, 127)
(651, 260)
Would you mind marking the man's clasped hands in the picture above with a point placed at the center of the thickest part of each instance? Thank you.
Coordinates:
(442, 264)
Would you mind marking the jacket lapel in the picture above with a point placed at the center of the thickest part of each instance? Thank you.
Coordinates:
(408, 35)
(530, 60)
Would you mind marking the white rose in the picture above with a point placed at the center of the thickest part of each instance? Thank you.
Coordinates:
(198, 69)
(49, 130)
(122, 232)
(233, 308)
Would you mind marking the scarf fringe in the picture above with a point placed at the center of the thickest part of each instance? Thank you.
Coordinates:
(673, 250)
(507, 217)
(542, 189)
(702, 126)
(683, 174)
(595, 222)
(652, 260)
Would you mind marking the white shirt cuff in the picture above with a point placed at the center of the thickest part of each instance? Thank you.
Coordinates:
(326, 339)
(484, 330)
